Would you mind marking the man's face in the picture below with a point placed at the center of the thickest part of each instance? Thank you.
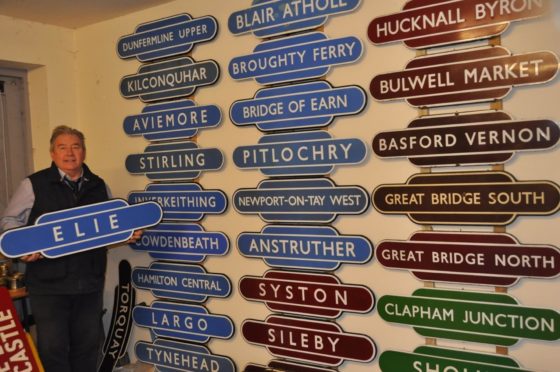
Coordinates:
(69, 154)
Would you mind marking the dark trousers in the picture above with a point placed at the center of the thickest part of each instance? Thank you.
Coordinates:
(69, 331)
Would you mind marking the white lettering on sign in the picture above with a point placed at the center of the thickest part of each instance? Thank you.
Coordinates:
(418, 311)
(182, 360)
(180, 242)
(169, 120)
(179, 201)
(434, 141)
(492, 9)
(178, 321)
(12, 347)
(147, 41)
(303, 153)
(140, 84)
(510, 321)
(405, 198)
(301, 248)
(302, 294)
(517, 198)
(120, 321)
(524, 261)
(421, 22)
(416, 82)
(507, 71)
(303, 340)
(328, 52)
(402, 255)
(171, 161)
(83, 229)
(267, 63)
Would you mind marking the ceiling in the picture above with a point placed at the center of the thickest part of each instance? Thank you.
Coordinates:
(73, 13)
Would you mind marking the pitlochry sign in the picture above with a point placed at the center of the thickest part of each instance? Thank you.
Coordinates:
(480, 74)
(489, 318)
(466, 138)
(299, 57)
(305, 247)
(182, 201)
(181, 242)
(467, 257)
(424, 24)
(278, 17)
(307, 340)
(299, 154)
(301, 200)
(298, 106)
(172, 120)
(321, 295)
(471, 198)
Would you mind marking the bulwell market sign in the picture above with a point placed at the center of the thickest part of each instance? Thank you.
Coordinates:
(490, 318)
(478, 198)
(472, 138)
(481, 74)
(439, 22)
(477, 258)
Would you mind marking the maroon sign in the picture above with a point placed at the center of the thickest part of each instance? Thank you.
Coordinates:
(477, 258)
(284, 366)
(424, 24)
(308, 340)
(471, 198)
(308, 294)
(466, 138)
(481, 74)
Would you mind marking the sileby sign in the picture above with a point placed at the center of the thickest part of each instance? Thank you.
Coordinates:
(424, 24)
(482, 74)
(478, 198)
(477, 258)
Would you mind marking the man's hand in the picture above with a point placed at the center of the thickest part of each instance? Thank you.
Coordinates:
(135, 236)
(31, 257)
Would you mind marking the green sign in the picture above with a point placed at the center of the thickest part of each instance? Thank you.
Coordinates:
(470, 316)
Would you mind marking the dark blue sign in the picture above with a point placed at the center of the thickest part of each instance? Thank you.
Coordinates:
(306, 200)
(304, 247)
(271, 18)
(80, 229)
(174, 161)
(182, 321)
(299, 154)
(181, 242)
(168, 355)
(307, 105)
(172, 120)
(297, 57)
(180, 282)
(169, 79)
(167, 37)
(182, 201)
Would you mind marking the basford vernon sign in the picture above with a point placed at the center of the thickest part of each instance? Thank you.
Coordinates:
(292, 58)
(310, 200)
(174, 161)
(305, 247)
(477, 258)
(297, 106)
(169, 79)
(80, 229)
(471, 138)
(490, 318)
(172, 120)
(182, 201)
(182, 321)
(314, 341)
(180, 282)
(423, 25)
(181, 242)
(320, 295)
(481, 74)
(167, 37)
(277, 17)
(299, 154)
(478, 198)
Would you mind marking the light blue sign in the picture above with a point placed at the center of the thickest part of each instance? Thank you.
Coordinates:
(182, 321)
(168, 355)
(169, 79)
(172, 120)
(294, 58)
(304, 247)
(182, 201)
(306, 200)
(174, 161)
(307, 105)
(167, 37)
(181, 242)
(180, 282)
(271, 18)
(299, 154)
(80, 229)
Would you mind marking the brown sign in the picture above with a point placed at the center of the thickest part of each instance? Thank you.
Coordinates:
(471, 198)
(476, 258)
(308, 294)
(471, 138)
(308, 340)
(276, 365)
(424, 24)
(480, 74)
